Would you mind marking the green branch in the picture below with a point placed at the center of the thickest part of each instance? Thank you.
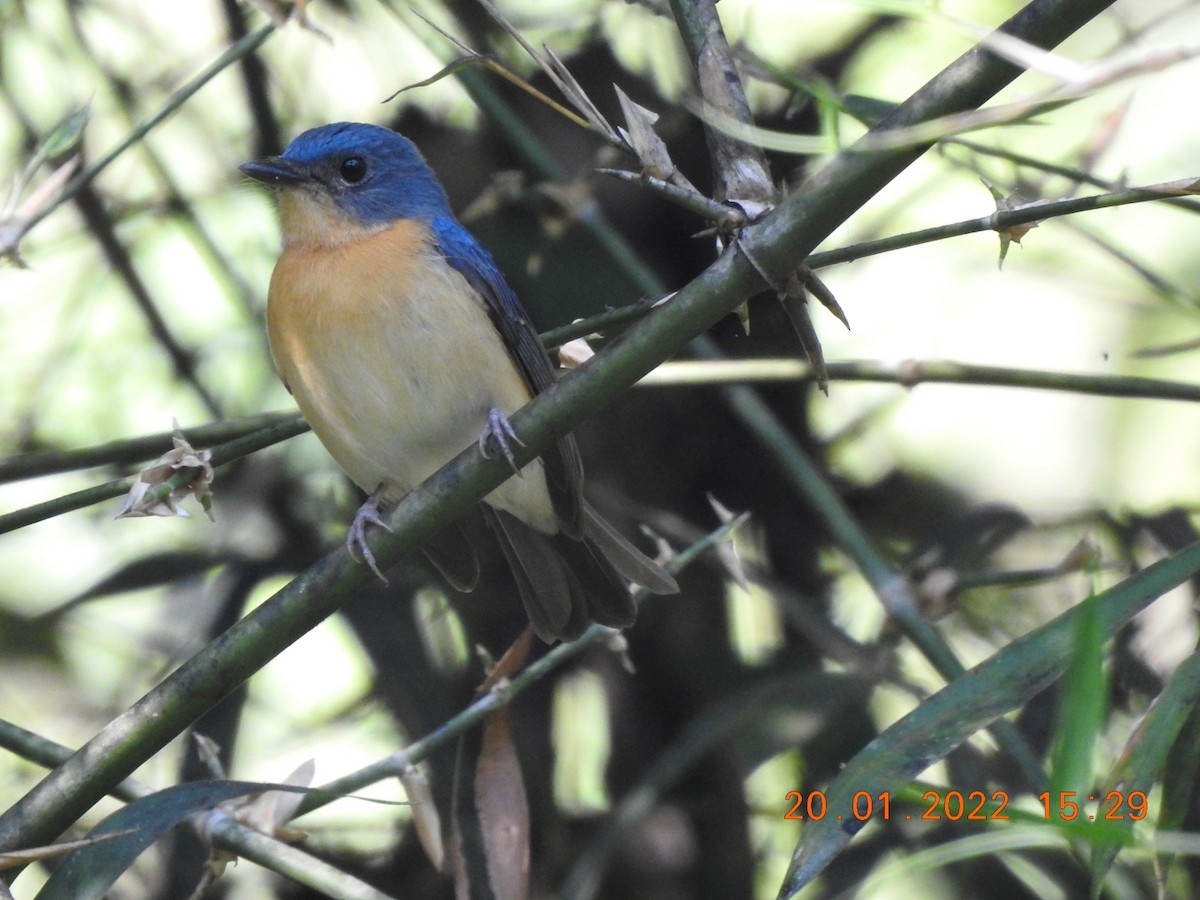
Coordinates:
(1003, 220)
(245, 46)
(132, 450)
(913, 372)
(284, 428)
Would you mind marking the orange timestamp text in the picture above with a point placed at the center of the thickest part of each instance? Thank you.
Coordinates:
(971, 806)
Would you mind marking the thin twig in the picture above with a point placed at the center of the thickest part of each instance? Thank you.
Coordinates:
(221, 454)
(910, 373)
(246, 45)
(132, 450)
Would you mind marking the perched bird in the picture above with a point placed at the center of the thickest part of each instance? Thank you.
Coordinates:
(402, 344)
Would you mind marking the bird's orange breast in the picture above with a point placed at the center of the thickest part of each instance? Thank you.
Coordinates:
(393, 359)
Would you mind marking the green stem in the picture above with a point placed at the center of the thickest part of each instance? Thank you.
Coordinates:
(47, 753)
(133, 450)
(245, 46)
(221, 454)
(914, 372)
(1006, 219)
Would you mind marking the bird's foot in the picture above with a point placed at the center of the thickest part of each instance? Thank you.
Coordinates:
(356, 537)
(500, 430)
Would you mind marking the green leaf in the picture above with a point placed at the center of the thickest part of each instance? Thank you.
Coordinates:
(1083, 705)
(969, 703)
(64, 138)
(1144, 762)
(87, 874)
(451, 68)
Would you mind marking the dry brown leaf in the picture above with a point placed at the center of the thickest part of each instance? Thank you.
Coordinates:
(574, 354)
(503, 813)
(270, 811)
(642, 139)
(426, 820)
(183, 458)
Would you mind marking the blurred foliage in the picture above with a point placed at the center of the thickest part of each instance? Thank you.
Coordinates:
(657, 765)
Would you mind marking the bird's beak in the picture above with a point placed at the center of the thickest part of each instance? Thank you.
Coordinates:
(275, 171)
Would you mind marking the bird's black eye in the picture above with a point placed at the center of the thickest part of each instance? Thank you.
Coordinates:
(353, 169)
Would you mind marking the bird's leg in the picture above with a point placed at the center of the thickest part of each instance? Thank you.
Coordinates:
(356, 537)
(500, 430)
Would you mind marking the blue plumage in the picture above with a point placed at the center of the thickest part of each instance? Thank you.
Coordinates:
(397, 182)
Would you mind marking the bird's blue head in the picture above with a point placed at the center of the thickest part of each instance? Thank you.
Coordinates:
(364, 173)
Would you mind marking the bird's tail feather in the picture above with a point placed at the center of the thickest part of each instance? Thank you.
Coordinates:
(567, 584)
(553, 597)
(630, 562)
(450, 552)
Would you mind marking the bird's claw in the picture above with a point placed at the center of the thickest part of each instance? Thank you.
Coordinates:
(356, 537)
(500, 430)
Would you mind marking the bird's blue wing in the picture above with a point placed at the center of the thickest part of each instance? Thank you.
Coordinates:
(466, 255)
(471, 259)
